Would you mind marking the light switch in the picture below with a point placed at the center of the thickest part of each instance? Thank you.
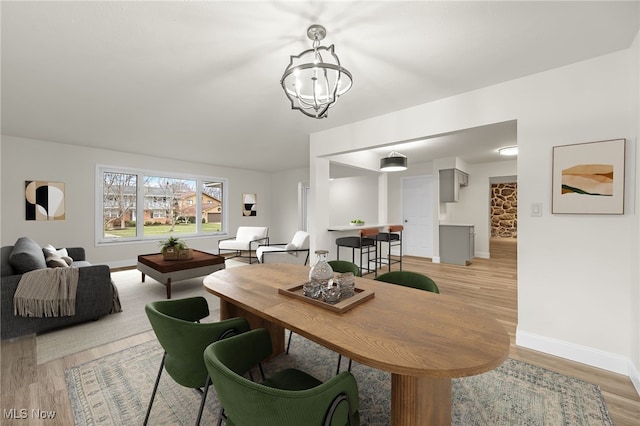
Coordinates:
(536, 209)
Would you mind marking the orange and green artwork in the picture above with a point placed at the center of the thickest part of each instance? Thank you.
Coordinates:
(588, 179)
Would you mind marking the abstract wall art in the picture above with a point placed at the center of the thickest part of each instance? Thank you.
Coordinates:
(44, 200)
(249, 202)
(588, 178)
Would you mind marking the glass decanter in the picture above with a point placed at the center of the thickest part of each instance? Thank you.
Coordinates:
(320, 275)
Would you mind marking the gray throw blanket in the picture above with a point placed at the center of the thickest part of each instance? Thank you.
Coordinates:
(47, 292)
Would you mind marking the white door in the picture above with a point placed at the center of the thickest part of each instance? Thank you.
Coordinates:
(417, 211)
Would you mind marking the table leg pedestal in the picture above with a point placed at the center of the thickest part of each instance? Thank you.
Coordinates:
(420, 401)
(229, 310)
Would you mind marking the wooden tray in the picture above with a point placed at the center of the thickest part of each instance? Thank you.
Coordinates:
(343, 305)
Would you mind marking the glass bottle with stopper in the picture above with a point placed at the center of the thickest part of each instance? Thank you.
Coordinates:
(320, 276)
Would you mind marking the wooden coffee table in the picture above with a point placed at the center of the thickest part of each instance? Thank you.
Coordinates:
(167, 271)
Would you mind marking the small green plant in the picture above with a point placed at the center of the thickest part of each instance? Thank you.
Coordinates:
(357, 221)
(173, 242)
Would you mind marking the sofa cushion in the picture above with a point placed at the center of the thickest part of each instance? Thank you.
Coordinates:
(26, 256)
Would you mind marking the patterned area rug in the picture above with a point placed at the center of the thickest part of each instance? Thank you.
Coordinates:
(134, 295)
(115, 390)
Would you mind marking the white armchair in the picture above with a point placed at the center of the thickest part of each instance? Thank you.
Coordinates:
(247, 238)
(297, 251)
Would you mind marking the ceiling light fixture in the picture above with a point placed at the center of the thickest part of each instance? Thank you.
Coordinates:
(394, 162)
(314, 79)
(508, 151)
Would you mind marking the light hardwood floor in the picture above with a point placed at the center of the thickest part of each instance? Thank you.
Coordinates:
(487, 284)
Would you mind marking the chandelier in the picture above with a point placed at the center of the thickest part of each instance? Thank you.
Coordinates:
(394, 162)
(314, 79)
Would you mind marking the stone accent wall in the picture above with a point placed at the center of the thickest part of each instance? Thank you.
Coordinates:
(504, 209)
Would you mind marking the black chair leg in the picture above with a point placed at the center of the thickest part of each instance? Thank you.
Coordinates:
(155, 388)
(340, 362)
(222, 416)
(289, 342)
(204, 398)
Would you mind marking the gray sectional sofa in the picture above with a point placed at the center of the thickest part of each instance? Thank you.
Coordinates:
(95, 294)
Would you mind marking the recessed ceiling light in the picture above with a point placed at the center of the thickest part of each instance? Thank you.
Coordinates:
(508, 151)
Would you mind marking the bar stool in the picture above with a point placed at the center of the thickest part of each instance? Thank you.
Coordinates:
(393, 238)
(367, 243)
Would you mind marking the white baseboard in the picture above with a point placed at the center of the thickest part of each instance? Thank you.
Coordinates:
(435, 259)
(583, 354)
(634, 375)
(482, 254)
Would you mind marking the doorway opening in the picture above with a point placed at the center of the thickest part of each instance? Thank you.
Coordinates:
(504, 207)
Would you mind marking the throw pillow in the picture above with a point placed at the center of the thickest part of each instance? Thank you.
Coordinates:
(51, 252)
(26, 256)
(56, 262)
(290, 246)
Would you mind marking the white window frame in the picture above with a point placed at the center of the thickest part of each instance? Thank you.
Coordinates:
(139, 209)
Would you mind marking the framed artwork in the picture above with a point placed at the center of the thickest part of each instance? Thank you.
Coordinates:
(588, 178)
(249, 202)
(44, 200)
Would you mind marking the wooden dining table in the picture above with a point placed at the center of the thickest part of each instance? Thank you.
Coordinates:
(423, 339)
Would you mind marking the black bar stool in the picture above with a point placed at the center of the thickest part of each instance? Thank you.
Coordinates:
(367, 243)
(393, 238)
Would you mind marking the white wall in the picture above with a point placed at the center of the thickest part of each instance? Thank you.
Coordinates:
(353, 198)
(26, 159)
(285, 217)
(635, 231)
(574, 271)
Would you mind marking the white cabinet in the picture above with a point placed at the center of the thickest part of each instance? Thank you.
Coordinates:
(457, 244)
(450, 182)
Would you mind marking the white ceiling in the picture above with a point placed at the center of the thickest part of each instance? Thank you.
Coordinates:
(199, 81)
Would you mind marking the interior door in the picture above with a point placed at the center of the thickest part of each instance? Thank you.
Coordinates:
(417, 211)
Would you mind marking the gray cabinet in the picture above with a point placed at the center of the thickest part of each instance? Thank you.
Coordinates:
(457, 244)
(450, 182)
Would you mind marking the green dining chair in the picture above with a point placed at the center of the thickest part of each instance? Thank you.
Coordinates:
(183, 338)
(289, 397)
(409, 279)
(342, 266)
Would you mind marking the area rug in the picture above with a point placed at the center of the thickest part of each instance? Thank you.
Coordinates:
(134, 295)
(115, 390)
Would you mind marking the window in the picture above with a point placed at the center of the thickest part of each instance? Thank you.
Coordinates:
(141, 205)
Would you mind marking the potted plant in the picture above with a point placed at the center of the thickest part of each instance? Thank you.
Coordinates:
(357, 222)
(174, 249)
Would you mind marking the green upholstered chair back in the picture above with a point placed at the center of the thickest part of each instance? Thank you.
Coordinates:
(342, 266)
(184, 340)
(409, 279)
(250, 403)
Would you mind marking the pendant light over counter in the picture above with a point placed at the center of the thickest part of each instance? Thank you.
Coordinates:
(394, 162)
